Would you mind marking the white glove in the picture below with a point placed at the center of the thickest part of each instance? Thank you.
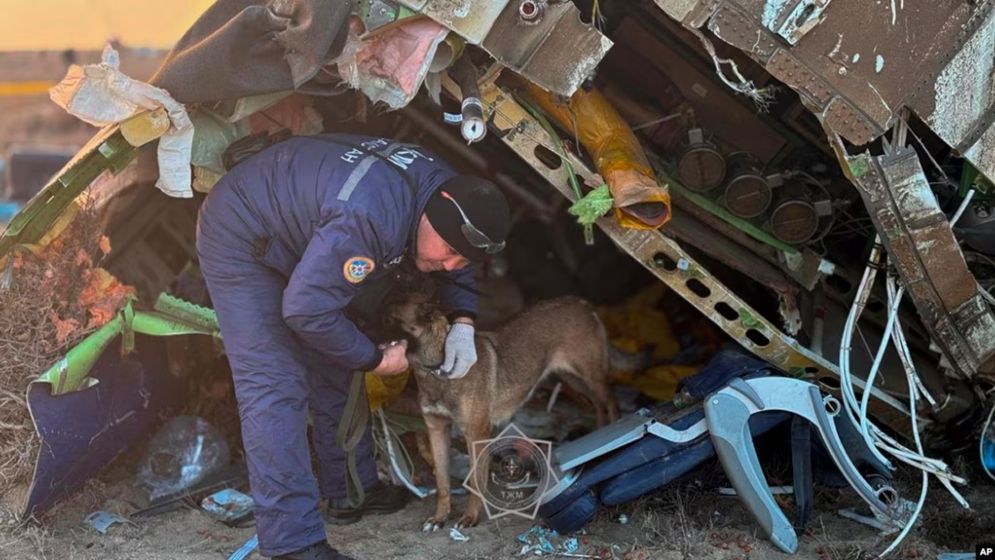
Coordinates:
(461, 353)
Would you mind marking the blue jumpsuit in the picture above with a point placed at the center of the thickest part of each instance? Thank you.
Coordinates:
(286, 239)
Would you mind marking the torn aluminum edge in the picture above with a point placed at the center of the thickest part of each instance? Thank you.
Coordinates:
(547, 43)
(792, 19)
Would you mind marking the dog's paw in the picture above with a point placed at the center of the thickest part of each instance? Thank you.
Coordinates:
(432, 524)
(467, 521)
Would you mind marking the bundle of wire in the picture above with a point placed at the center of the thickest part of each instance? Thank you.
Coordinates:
(858, 410)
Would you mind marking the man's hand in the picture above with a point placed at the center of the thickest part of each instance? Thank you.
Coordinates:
(461, 353)
(394, 359)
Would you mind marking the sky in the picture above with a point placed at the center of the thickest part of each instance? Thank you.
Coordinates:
(87, 24)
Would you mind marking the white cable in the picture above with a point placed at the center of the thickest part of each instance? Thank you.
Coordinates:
(986, 295)
(962, 207)
(738, 83)
(909, 375)
(846, 385)
(870, 432)
(905, 355)
(402, 472)
(876, 365)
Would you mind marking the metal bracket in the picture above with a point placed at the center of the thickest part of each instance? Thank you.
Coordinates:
(792, 20)
(924, 250)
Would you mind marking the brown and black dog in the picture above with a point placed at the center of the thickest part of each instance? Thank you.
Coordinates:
(562, 335)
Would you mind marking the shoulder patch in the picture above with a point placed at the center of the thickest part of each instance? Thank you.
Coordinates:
(356, 269)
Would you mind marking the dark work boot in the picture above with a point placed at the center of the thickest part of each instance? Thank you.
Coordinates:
(380, 499)
(317, 551)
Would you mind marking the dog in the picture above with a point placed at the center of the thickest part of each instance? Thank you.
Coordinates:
(562, 336)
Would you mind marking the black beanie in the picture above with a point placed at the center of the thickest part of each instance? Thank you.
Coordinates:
(482, 202)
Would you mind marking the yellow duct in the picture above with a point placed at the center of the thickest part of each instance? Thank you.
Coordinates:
(640, 202)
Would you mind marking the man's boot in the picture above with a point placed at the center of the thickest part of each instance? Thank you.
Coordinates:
(317, 551)
(380, 499)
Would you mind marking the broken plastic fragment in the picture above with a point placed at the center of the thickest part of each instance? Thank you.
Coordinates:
(227, 505)
(102, 520)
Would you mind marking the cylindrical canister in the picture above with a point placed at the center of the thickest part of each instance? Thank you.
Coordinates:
(747, 193)
(798, 210)
(701, 166)
(794, 220)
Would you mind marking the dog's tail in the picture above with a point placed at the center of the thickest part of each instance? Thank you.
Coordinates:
(620, 360)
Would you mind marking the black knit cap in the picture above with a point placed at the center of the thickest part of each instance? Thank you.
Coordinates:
(482, 202)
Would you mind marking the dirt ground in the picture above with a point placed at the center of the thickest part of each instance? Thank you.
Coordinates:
(686, 522)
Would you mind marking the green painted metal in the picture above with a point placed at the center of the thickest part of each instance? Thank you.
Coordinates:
(188, 312)
(971, 178)
(108, 151)
(70, 372)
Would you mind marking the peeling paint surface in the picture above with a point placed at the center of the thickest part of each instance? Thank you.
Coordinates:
(855, 58)
(773, 10)
(878, 63)
(558, 53)
(965, 89)
(836, 49)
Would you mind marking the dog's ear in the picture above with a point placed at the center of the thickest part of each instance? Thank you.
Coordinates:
(431, 313)
(426, 313)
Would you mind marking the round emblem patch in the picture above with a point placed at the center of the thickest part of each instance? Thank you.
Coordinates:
(356, 269)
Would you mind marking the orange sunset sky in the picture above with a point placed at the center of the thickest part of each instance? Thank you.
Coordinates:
(87, 24)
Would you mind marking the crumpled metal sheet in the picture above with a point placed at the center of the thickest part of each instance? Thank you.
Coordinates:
(470, 19)
(556, 50)
(924, 250)
(863, 60)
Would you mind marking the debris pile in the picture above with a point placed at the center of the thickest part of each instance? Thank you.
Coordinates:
(540, 541)
(51, 298)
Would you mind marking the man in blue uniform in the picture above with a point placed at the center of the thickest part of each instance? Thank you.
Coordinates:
(287, 240)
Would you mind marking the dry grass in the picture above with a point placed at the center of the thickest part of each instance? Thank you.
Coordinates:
(41, 318)
(671, 522)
